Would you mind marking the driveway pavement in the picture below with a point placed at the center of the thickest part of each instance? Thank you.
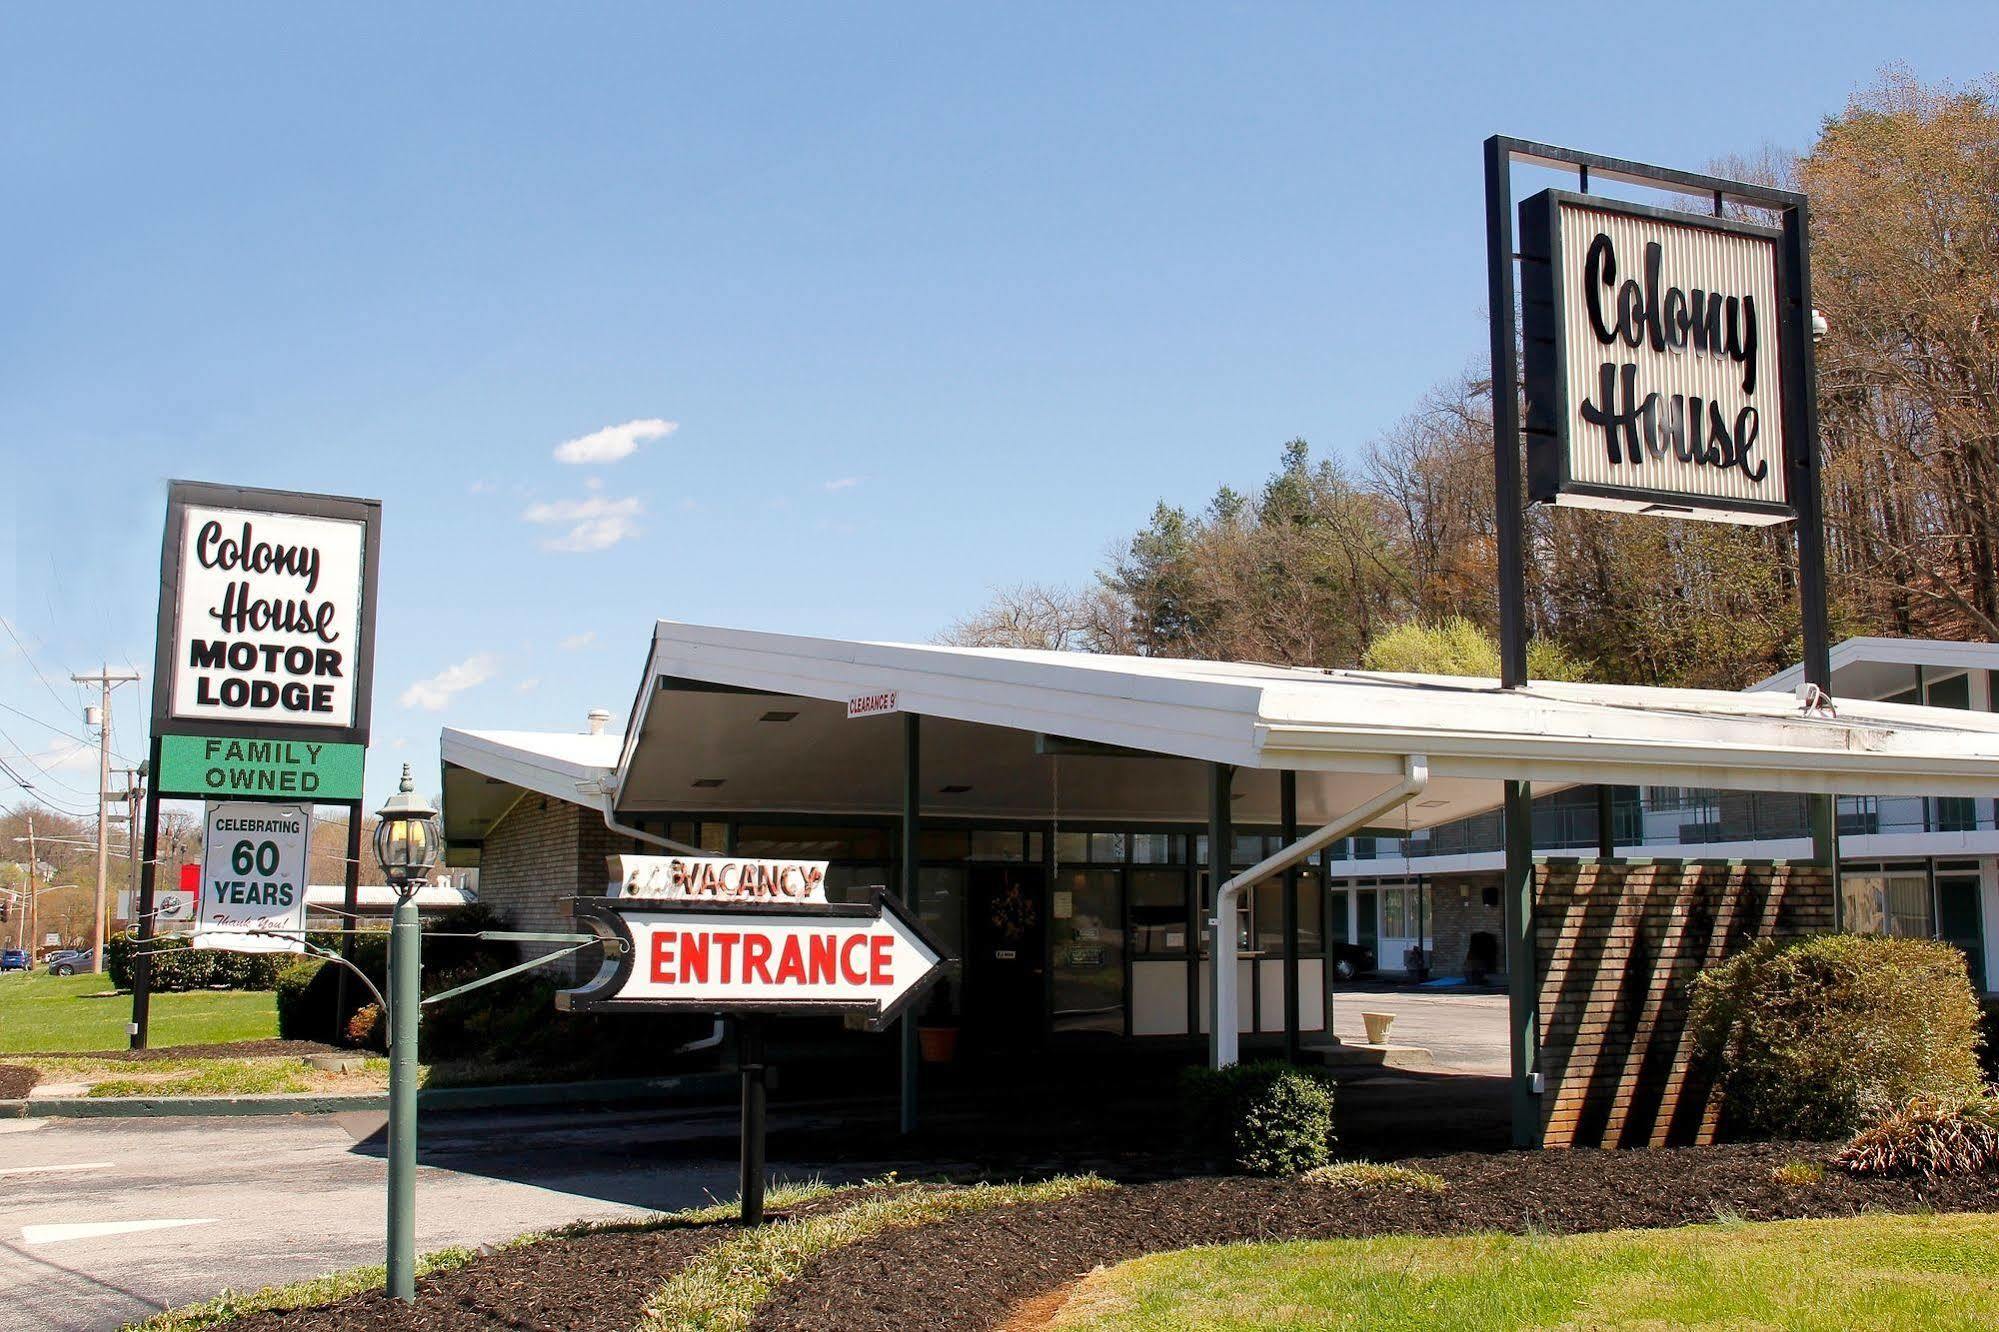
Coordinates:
(105, 1220)
(1464, 1029)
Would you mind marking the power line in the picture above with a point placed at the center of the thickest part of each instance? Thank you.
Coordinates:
(36, 765)
(65, 703)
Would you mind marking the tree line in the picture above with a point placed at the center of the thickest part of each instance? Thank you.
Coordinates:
(1324, 559)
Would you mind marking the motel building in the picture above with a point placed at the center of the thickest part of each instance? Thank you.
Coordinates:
(1067, 817)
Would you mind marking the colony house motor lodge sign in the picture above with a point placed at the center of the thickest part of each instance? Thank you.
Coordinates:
(758, 936)
(266, 642)
(1653, 354)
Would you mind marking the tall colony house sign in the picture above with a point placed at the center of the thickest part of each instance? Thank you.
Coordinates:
(1652, 357)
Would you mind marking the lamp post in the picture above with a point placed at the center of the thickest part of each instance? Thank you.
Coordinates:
(406, 842)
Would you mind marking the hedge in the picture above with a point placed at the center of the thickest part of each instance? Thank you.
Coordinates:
(177, 966)
(1812, 1037)
(1266, 1118)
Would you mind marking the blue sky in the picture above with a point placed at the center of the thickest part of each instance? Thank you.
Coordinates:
(935, 298)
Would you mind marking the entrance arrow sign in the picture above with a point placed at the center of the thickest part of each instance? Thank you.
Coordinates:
(873, 958)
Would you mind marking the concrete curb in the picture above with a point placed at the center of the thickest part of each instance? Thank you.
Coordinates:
(694, 1087)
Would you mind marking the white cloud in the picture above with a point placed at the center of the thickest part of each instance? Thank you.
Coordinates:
(479, 488)
(399, 742)
(595, 523)
(843, 483)
(66, 756)
(434, 694)
(529, 685)
(613, 443)
(577, 642)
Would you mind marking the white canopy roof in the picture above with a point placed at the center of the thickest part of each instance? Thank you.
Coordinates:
(731, 720)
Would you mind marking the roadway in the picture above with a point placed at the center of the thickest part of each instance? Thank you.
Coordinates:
(107, 1220)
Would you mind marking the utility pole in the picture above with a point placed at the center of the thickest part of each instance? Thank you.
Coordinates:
(106, 682)
(28, 907)
(134, 789)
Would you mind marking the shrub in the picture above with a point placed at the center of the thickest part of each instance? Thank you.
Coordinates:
(300, 1014)
(1266, 1118)
(367, 1029)
(178, 966)
(1927, 1136)
(1808, 1038)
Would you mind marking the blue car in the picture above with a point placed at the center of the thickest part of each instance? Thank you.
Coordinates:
(14, 959)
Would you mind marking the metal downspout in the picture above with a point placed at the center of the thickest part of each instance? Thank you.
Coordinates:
(1222, 1034)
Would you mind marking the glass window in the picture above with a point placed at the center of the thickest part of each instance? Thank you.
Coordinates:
(1072, 848)
(1034, 848)
(1157, 848)
(1395, 921)
(944, 843)
(715, 838)
(1952, 693)
(988, 844)
(1249, 848)
(810, 842)
(1311, 914)
(1895, 904)
(1107, 848)
(1158, 913)
(850, 883)
(940, 904)
(1087, 937)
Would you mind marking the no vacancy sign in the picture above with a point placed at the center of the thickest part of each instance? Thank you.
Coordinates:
(253, 863)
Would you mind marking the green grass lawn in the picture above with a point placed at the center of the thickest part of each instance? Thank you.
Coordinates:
(1910, 1273)
(47, 1014)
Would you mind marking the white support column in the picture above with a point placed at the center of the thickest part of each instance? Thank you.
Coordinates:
(1222, 1037)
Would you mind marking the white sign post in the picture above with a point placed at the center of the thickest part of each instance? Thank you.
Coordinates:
(253, 862)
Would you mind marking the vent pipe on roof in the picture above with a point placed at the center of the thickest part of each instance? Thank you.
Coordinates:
(599, 719)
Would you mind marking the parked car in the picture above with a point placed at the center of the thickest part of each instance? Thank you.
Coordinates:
(1352, 961)
(15, 959)
(68, 961)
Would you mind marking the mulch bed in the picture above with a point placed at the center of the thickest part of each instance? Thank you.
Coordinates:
(970, 1271)
(588, 1283)
(16, 1081)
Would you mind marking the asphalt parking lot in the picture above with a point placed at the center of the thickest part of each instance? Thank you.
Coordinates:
(1464, 1029)
(107, 1220)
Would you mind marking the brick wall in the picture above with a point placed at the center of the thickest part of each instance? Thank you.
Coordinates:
(1618, 946)
(1457, 911)
(542, 851)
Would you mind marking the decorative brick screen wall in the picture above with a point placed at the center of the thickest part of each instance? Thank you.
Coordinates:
(1618, 946)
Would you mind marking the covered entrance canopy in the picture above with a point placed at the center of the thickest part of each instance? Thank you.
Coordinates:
(730, 726)
(733, 720)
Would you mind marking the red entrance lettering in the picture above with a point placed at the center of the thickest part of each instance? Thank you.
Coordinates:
(725, 943)
(694, 958)
(878, 951)
(662, 957)
(791, 962)
(756, 959)
(820, 962)
(848, 967)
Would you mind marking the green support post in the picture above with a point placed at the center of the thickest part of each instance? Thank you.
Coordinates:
(911, 859)
(405, 1010)
(1523, 999)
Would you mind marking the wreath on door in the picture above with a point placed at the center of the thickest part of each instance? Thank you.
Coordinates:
(1013, 913)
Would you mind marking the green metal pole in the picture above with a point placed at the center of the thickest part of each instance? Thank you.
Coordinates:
(405, 1008)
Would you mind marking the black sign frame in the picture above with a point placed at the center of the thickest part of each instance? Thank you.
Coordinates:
(183, 494)
(1544, 357)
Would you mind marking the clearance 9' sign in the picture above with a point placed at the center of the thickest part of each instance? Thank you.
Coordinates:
(266, 614)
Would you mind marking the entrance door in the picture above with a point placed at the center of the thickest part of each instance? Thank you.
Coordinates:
(1960, 919)
(1006, 956)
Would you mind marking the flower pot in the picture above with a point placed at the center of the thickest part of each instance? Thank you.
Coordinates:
(1377, 1027)
(939, 1044)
